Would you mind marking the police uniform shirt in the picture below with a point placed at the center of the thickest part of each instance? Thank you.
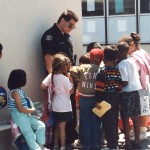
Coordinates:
(53, 41)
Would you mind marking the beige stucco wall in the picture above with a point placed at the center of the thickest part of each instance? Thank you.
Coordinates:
(22, 24)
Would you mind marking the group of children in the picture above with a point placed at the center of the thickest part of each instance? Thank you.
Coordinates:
(116, 82)
(96, 84)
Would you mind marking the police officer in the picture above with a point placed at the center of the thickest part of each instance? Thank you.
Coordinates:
(57, 38)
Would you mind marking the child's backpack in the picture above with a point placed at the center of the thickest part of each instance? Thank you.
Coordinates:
(3, 97)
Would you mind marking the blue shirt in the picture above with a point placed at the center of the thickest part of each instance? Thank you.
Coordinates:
(12, 102)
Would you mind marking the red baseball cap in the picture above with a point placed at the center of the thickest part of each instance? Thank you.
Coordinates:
(96, 54)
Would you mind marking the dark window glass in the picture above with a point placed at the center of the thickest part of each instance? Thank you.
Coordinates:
(97, 10)
(145, 6)
(120, 7)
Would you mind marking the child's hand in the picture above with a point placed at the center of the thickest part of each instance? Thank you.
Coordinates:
(69, 76)
(98, 106)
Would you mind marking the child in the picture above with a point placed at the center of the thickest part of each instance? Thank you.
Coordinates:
(32, 128)
(142, 60)
(130, 102)
(84, 59)
(89, 122)
(61, 87)
(71, 125)
(108, 88)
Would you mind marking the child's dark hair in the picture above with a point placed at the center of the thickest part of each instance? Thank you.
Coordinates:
(1, 48)
(17, 79)
(123, 46)
(93, 45)
(111, 53)
(84, 59)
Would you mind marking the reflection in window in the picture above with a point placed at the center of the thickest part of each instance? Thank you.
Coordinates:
(145, 6)
(120, 7)
(92, 8)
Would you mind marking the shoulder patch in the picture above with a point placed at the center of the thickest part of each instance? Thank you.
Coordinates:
(70, 38)
(48, 38)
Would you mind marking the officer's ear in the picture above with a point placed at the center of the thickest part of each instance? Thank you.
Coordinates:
(63, 20)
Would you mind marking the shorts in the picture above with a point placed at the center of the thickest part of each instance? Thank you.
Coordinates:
(130, 104)
(62, 116)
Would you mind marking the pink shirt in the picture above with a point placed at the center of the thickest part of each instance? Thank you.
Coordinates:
(142, 59)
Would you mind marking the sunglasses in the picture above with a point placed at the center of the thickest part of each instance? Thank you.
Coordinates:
(71, 26)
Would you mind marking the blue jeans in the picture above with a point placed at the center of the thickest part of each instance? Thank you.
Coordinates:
(32, 129)
(89, 124)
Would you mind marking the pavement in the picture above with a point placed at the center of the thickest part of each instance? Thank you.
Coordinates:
(145, 144)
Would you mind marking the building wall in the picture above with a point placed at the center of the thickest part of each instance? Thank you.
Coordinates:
(22, 26)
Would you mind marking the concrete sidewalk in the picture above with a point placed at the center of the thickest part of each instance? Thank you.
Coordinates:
(144, 144)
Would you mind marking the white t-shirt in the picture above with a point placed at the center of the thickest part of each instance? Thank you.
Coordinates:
(129, 72)
(61, 101)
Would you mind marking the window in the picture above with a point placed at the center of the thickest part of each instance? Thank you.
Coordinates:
(92, 8)
(120, 7)
(144, 6)
(122, 18)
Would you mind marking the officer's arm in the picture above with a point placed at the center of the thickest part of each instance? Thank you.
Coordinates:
(48, 62)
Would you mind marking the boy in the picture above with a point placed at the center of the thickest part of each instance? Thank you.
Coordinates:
(108, 88)
(89, 122)
(130, 102)
(84, 59)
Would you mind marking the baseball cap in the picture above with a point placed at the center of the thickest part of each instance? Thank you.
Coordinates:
(96, 54)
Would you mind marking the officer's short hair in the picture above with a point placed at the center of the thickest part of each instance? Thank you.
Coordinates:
(68, 15)
(1, 48)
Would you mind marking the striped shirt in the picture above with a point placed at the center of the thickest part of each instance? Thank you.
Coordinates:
(12, 102)
(108, 80)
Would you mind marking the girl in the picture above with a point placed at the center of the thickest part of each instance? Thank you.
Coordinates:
(142, 60)
(130, 101)
(32, 128)
(60, 86)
